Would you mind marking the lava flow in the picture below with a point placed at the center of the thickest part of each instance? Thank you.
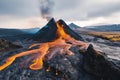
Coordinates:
(48, 50)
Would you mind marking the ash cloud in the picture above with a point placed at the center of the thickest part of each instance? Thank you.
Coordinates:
(46, 8)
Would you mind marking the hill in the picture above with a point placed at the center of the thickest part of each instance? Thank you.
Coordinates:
(74, 26)
(113, 27)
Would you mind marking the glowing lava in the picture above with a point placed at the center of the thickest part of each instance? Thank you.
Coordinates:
(48, 50)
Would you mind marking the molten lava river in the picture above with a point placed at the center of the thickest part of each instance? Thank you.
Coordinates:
(50, 49)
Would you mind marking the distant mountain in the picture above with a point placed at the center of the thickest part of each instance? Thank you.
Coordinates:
(15, 34)
(31, 30)
(113, 27)
(74, 26)
(4, 31)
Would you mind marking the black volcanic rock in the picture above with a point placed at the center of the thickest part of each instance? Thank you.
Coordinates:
(96, 63)
(6, 45)
(49, 32)
(83, 65)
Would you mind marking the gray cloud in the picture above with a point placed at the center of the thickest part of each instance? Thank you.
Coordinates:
(19, 7)
(65, 5)
(85, 9)
(104, 10)
(65, 9)
(46, 8)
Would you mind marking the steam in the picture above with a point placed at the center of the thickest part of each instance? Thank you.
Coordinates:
(46, 8)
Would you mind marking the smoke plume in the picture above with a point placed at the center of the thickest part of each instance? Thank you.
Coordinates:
(46, 8)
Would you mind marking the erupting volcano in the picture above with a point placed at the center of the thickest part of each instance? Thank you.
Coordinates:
(60, 44)
(56, 52)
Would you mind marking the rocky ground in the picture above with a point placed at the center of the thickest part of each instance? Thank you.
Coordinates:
(6, 45)
(84, 65)
(111, 49)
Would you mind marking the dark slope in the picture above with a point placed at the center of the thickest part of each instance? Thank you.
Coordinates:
(96, 63)
(49, 32)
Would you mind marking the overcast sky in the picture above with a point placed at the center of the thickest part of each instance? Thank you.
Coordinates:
(26, 13)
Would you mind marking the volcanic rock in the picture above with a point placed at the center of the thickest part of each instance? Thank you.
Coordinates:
(96, 63)
(47, 33)
(84, 65)
(7, 45)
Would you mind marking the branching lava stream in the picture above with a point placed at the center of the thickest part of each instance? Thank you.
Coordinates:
(48, 50)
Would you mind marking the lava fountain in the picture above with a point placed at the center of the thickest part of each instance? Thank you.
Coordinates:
(48, 50)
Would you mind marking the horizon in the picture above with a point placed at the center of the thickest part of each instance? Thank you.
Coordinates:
(78, 23)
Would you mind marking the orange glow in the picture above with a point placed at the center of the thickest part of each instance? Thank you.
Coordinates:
(8, 62)
(61, 32)
(56, 72)
(48, 49)
(48, 69)
(38, 62)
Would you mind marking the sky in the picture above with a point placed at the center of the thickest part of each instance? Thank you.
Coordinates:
(26, 13)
